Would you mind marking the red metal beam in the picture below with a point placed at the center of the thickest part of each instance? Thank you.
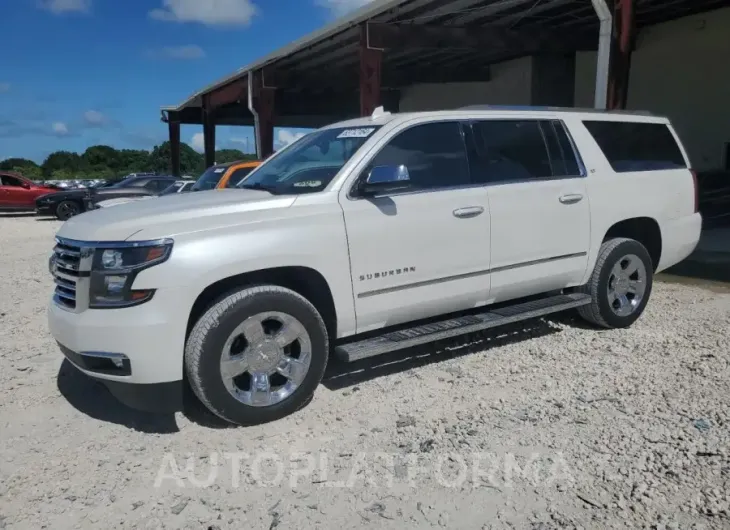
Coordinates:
(371, 62)
(264, 98)
(623, 41)
(233, 92)
(208, 132)
(174, 129)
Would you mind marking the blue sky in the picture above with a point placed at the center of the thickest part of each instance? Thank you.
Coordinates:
(75, 73)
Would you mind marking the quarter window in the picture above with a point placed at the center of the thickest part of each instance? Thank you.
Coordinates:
(434, 154)
(637, 146)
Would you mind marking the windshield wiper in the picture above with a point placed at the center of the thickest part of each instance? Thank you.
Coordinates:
(274, 190)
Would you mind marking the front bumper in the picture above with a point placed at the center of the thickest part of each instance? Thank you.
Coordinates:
(150, 338)
(161, 398)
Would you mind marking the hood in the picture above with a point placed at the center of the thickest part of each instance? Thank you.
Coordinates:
(174, 214)
(55, 195)
(101, 192)
(122, 200)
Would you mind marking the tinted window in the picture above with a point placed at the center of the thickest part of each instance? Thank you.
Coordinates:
(237, 176)
(157, 184)
(7, 180)
(210, 178)
(636, 146)
(511, 150)
(434, 154)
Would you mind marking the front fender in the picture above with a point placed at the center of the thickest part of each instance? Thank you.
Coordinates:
(201, 259)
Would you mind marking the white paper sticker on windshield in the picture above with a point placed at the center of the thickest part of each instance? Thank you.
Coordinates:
(308, 184)
(219, 170)
(356, 133)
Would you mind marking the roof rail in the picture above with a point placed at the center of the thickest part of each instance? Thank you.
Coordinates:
(555, 109)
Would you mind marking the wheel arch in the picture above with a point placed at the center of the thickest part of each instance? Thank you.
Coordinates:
(645, 230)
(306, 281)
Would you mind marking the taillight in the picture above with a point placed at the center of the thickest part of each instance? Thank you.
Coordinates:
(696, 184)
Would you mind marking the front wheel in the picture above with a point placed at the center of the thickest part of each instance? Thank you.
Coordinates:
(67, 209)
(257, 355)
(620, 285)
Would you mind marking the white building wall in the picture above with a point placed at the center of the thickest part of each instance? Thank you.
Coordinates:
(510, 84)
(680, 69)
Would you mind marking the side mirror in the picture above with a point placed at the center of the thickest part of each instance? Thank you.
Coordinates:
(26, 185)
(382, 179)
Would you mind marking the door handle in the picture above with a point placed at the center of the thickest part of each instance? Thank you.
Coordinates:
(469, 211)
(571, 198)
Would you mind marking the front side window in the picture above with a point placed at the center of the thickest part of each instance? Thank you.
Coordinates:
(309, 164)
(510, 150)
(637, 146)
(237, 176)
(7, 180)
(434, 154)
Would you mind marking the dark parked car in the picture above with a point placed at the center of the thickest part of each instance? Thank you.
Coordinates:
(66, 204)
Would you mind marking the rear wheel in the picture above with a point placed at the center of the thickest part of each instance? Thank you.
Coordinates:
(67, 209)
(257, 355)
(620, 285)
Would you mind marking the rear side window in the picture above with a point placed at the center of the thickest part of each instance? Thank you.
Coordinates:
(565, 162)
(637, 146)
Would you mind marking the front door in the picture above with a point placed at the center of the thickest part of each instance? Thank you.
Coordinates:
(15, 196)
(539, 206)
(423, 251)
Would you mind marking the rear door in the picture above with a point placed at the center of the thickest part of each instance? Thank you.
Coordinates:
(540, 215)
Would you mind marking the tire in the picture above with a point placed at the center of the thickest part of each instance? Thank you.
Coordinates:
(212, 341)
(604, 284)
(67, 209)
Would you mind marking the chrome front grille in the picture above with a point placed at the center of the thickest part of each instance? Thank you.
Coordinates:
(71, 266)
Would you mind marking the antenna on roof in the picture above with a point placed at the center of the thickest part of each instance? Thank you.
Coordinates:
(379, 113)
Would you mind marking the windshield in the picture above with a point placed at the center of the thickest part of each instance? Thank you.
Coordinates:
(310, 163)
(124, 183)
(210, 179)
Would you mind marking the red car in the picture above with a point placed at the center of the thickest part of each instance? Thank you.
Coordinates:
(18, 194)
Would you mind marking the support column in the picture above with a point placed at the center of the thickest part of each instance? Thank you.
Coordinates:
(208, 137)
(266, 122)
(174, 128)
(371, 61)
(263, 100)
(623, 41)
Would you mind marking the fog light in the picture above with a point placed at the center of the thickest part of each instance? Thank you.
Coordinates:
(114, 284)
(119, 363)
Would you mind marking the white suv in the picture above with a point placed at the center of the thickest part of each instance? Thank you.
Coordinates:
(369, 236)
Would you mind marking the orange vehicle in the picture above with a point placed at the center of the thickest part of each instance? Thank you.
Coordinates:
(224, 175)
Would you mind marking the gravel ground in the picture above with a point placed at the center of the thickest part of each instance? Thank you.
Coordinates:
(549, 425)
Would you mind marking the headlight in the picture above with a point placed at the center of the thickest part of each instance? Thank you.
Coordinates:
(114, 269)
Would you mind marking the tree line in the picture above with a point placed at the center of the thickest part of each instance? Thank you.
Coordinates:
(103, 161)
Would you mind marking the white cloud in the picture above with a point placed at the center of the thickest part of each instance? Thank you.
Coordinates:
(285, 137)
(208, 12)
(94, 118)
(197, 142)
(342, 7)
(59, 128)
(4, 87)
(66, 6)
(178, 52)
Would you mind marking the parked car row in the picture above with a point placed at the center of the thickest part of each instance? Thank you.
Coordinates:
(65, 200)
